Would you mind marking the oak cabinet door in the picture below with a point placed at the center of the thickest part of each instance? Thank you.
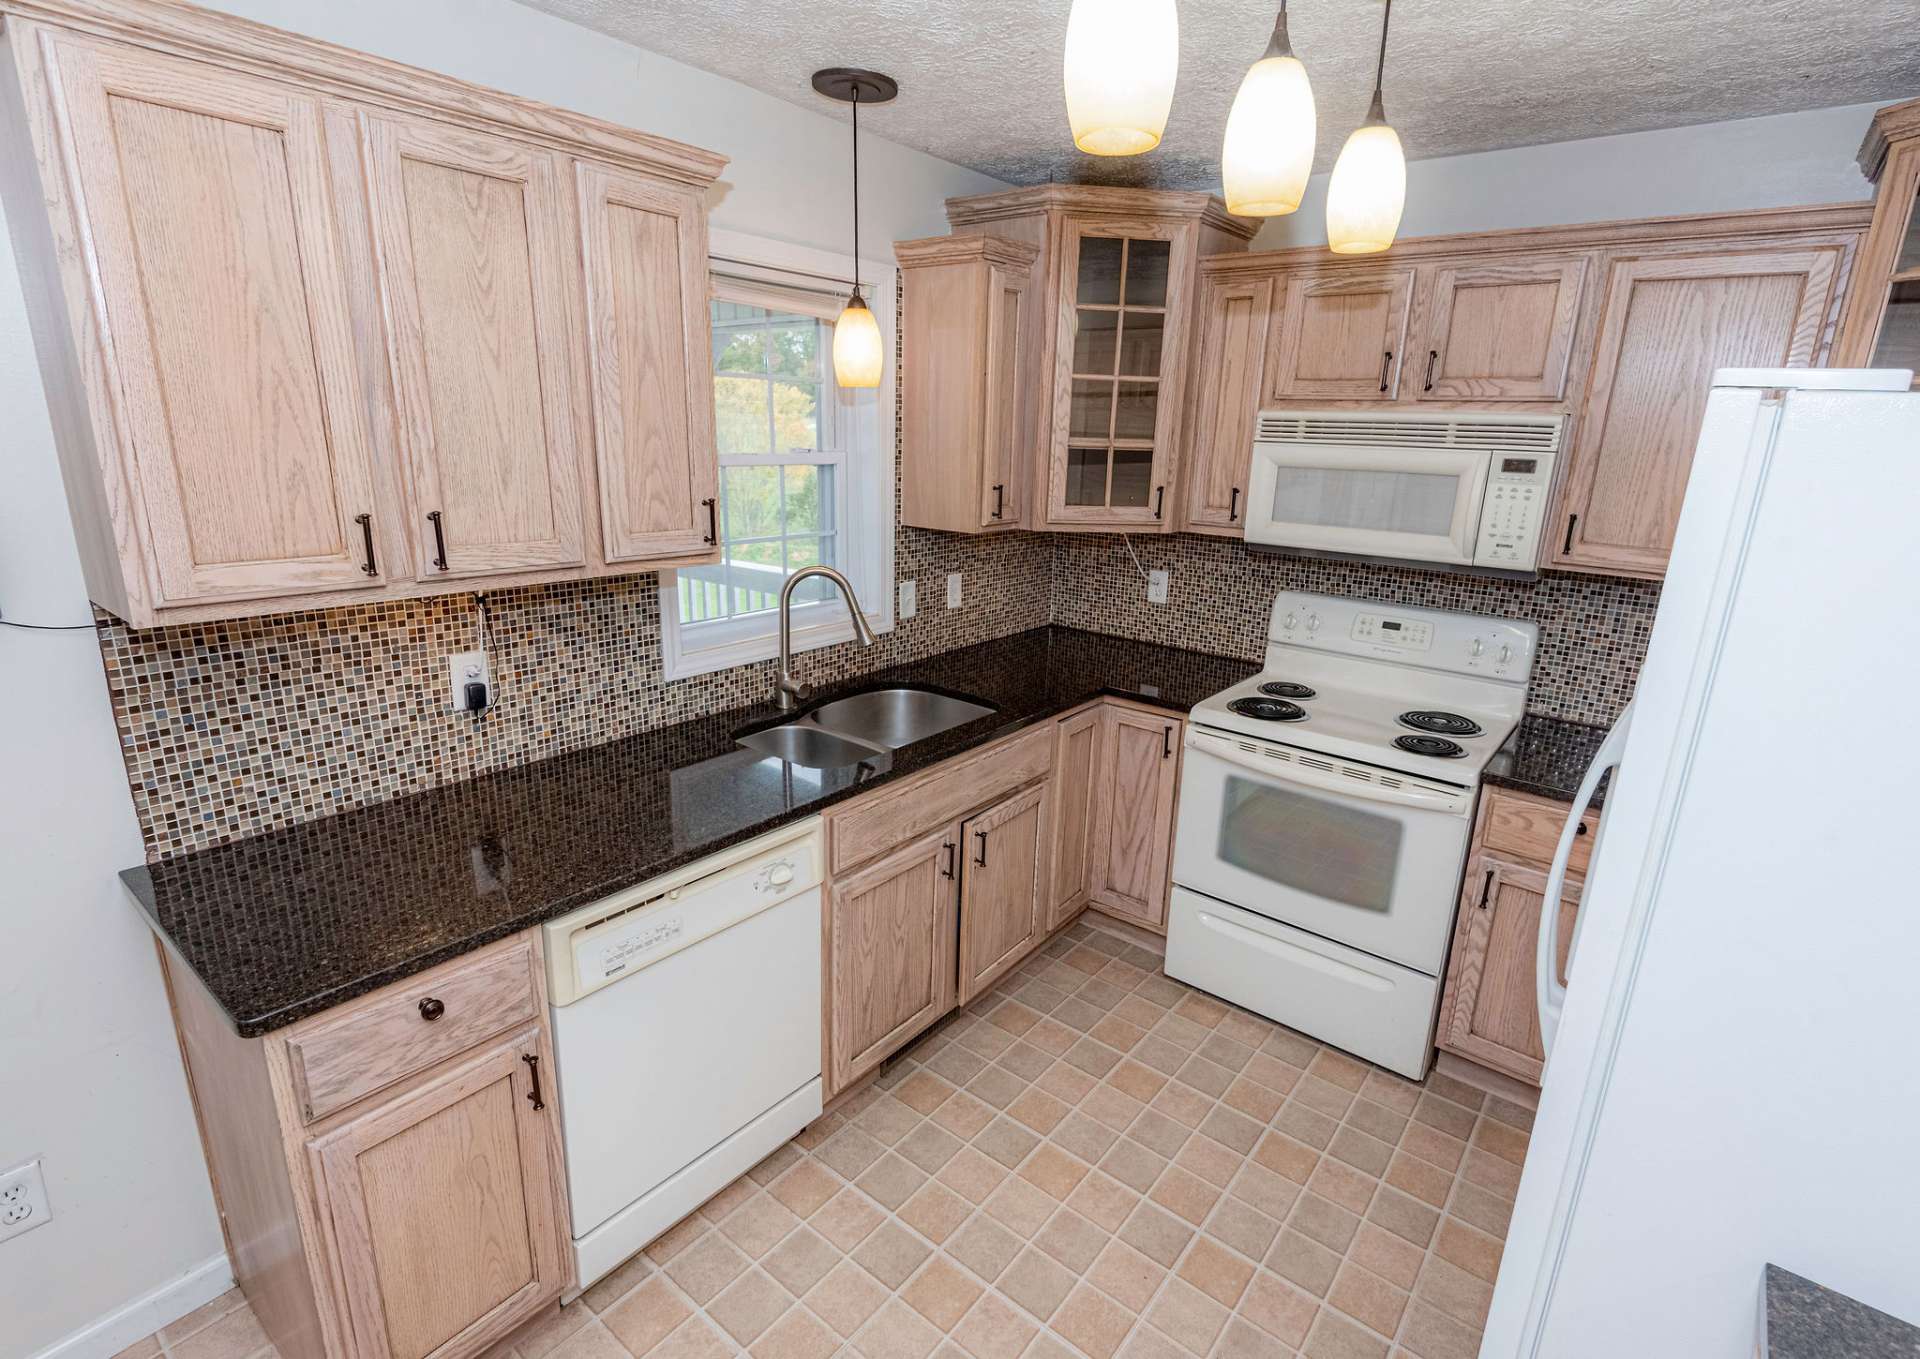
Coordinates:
(1005, 424)
(891, 936)
(477, 273)
(1003, 888)
(1133, 825)
(645, 251)
(1340, 338)
(1490, 1012)
(1233, 336)
(1667, 323)
(1076, 765)
(448, 1222)
(1500, 332)
(220, 292)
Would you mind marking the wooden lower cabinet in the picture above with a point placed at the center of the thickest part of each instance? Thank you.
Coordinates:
(1004, 882)
(1076, 778)
(1133, 825)
(891, 969)
(442, 1207)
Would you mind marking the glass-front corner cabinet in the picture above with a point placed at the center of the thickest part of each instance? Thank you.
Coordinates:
(1882, 327)
(1123, 312)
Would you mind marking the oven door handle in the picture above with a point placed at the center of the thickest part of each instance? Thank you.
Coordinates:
(1285, 771)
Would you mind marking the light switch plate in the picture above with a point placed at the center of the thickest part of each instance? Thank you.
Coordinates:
(953, 589)
(1156, 587)
(909, 598)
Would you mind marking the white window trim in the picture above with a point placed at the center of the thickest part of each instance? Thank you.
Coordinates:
(869, 492)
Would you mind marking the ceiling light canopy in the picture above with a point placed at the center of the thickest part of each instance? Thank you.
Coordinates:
(859, 355)
(1368, 190)
(1122, 59)
(1268, 151)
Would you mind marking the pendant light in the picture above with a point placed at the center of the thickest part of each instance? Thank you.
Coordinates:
(1122, 59)
(1368, 190)
(858, 353)
(1268, 151)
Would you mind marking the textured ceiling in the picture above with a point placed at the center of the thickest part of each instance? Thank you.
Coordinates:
(980, 79)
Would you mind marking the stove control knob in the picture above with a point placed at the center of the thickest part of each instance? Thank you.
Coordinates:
(1478, 647)
(1293, 621)
(1313, 622)
(1506, 654)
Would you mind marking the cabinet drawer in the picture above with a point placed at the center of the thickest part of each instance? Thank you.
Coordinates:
(1529, 827)
(388, 1038)
(896, 815)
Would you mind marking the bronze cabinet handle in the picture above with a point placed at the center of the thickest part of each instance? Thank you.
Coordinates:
(1233, 505)
(713, 522)
(1159, 502)
(533, 1069)
(952, 859)
(365, 521)
(982, 860)
(999, 500)
(439, 541)
(1567, 546)
(1386, 362)
(1433, 357)
(1486, 889)
(1166, 743)
(431, 1009)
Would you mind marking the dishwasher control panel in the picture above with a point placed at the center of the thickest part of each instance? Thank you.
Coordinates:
(633, 929)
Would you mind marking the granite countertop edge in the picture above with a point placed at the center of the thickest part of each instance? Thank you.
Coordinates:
(1547, 756)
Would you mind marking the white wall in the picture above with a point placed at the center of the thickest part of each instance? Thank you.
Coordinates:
(1784, 160)
(88, 1066)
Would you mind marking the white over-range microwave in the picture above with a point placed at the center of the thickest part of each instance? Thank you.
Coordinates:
(1464, 489)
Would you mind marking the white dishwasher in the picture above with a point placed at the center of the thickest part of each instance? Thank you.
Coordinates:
(686, 1030)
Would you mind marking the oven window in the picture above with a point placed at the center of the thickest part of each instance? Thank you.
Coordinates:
(1322, 848)
(1386, 502)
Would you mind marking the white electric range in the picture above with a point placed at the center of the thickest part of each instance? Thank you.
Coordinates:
(1325, 810)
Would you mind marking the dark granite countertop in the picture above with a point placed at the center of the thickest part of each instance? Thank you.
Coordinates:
(1801, 1320)
(1548, 756)
(287, 924)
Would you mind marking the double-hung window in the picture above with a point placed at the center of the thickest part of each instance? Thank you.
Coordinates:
(805, 479)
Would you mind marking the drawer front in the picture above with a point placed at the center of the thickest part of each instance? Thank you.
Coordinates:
(1529, 828)
(390, 1037)
(893, 816)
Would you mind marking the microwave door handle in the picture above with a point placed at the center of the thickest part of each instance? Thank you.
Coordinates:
(1281, 771)
(1550, 995)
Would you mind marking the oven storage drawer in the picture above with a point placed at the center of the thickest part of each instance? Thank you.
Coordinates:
(1368, 1006)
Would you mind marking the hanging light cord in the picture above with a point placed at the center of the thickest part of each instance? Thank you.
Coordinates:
(856, 188)
(1378, 113)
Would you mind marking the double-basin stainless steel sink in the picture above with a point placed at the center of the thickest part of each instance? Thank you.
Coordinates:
(863, 727)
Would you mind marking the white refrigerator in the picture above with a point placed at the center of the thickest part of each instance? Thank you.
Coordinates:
(1732, 1074)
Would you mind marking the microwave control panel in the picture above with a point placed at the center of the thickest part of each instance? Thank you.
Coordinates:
(1513, 511)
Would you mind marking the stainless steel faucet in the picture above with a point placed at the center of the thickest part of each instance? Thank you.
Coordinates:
(789, 693)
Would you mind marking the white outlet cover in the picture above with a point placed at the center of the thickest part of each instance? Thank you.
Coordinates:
(461, 670)
(23, 1200)
(953, 589)
(909, 598)
(1156, 587)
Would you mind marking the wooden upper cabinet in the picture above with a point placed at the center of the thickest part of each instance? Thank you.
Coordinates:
(967, 382)
(1882, 325)
(1133, 829)
(1340, 337)
(1498, 331)
(445, 1207)
(644, 247)
(1003, 887)
(1490, 1011)
(1667, 322)
(478, 274)
(1233, 337)
(220, 304)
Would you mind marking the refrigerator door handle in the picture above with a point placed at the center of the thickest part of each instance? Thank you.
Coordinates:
(1549, 994)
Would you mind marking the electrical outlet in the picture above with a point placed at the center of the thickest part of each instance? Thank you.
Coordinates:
(953, 589)
(463, 670)
(909, 598)
(1156, 587)
(23, 1200)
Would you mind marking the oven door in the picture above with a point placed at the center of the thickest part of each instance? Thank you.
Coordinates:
(1420, 504)
(1346, 851)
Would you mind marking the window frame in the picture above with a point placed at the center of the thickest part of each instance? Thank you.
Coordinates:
(863, 425)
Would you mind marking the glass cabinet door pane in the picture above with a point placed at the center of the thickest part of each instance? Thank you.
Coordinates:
(1899, 343)
(1910, 243)
(1140, 343)
(1100, 270)
(1147, 263)
(1134, 414)
(1095, 336)
(1090, 415)
(1086, 476)
(1132, 478)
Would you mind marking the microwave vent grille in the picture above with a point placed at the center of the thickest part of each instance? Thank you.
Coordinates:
(1488, 434)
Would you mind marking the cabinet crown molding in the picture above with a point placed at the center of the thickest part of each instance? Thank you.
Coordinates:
(1751, 224)
(1895, 122)
(965, 249)
(188, 31)
(1179, 205)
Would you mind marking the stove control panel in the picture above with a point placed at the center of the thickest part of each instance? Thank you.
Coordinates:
(1407, 634)
(1460, 643)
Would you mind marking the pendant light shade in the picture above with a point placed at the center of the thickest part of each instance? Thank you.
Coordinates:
(1268, 152)
(1368, 190)
(859, 352)
(1122, 59)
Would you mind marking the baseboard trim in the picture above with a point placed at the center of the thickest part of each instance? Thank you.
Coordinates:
(146, 1314)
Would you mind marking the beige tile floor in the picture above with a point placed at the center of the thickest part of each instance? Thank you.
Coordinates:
(1090, 1160)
